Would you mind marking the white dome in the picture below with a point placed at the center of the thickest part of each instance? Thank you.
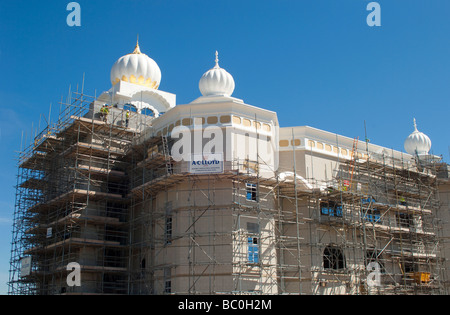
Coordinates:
(217, 81)
(137, 68)
(417, 142)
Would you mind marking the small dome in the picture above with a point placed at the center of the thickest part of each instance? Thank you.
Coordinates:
(217, 81)
(417, 142)
(137, 68)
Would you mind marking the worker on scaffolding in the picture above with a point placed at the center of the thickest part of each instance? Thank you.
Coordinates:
(104, 111)
(127, 118)
(402, 201)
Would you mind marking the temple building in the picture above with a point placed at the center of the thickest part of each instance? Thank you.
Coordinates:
(149, 196)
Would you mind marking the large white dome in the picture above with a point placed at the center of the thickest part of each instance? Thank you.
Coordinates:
(217, 81)
(417, 142)
(137, 68)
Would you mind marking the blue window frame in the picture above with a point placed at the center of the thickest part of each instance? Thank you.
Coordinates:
(253, 250)
(130, 107)
(251, 191)
(147, 112)
(368, 200)
(372, 215)
(331, 209)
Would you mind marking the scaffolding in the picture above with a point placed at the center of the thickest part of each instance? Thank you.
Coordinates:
(376, 210)
(386, 215)
(113, 199)
(71, 204)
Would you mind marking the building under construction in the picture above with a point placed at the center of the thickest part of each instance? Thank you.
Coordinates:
(213, 197)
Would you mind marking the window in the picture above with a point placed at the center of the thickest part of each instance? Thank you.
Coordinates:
(186, 121)
(251, 192)
(284, 143)
(212, 120)
(225, 119)
(410, 267)
(267, 127)
(237, 120)
(405, 220)
(130, 107)
(331, 209)
(147, 112)
(333, 258)
(168, 231)
(168, 286)
(295, 142)
(167, 280)
(253, 250)
(257, 125)
(371, 215)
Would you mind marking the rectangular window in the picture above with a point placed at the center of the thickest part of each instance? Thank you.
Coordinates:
(405, 220)
(253, 250)
(167, 280)
(371, 215)
(251, 192)
(331, 209)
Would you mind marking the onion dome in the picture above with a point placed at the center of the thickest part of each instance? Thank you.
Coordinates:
(217, 81)
(137, 68)
(417, 142)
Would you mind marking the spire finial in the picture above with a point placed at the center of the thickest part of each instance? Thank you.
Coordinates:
(415, 125)
(137, 49)
(217, 60)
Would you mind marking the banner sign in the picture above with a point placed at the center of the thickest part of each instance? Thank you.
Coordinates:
(206, 164)
(25, 266)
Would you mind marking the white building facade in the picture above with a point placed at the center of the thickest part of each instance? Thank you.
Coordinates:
(217, 198)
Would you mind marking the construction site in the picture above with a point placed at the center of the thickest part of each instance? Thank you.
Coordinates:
(324, 214)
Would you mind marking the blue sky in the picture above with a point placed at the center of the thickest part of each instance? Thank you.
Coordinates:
(314, 62)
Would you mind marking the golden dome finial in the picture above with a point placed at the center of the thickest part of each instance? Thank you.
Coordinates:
(137, 49)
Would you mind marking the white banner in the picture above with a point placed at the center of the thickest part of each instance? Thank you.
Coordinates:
(25, 266)
(206, 164)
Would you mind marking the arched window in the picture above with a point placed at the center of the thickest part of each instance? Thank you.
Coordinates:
(147, 112)
(333, 258)
(130, 107)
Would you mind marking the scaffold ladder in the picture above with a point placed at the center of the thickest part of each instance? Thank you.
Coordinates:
(166, 152)
(353, 163)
